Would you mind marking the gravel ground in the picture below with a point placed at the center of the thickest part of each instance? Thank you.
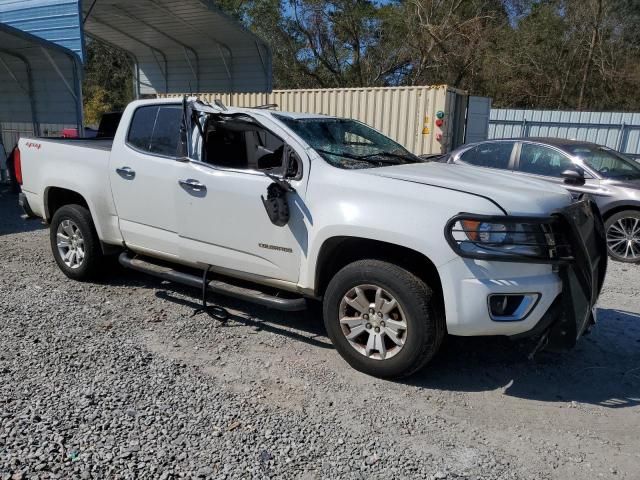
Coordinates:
(118, 380)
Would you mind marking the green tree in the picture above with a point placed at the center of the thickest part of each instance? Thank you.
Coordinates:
(108, 81)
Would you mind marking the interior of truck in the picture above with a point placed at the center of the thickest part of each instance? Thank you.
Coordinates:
(241, 145)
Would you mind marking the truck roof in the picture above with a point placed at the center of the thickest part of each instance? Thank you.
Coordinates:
(231, 109)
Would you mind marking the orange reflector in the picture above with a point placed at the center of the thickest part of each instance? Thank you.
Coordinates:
(470, 228)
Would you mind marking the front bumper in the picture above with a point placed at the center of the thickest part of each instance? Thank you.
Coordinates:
(568, 291)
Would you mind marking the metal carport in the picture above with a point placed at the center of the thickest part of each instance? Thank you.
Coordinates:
(181, 45)
(40, 86)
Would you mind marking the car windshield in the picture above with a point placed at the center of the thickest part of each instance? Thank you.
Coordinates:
(608, 163)
(348, 143)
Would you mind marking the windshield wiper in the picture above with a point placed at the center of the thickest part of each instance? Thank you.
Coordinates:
(364, 158)
(404, 157)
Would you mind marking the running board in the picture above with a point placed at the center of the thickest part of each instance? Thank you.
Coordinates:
(216, 286)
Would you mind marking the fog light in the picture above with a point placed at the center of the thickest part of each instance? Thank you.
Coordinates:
(511, 307)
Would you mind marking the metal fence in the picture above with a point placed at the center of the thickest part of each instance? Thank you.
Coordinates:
(617, 130)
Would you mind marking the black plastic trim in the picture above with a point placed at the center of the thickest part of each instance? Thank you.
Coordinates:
(511, 294)
(24, 204)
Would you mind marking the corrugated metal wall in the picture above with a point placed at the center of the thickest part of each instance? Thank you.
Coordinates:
(182, 45)
(55, 20)
(617, 130)
(35, 98)
(406, 114)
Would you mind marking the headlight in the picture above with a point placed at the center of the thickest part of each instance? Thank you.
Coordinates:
(508, 238)
(485, 232)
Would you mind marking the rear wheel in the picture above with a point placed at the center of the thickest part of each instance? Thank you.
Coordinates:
(382, 319)
(75, 243)
(623, 236)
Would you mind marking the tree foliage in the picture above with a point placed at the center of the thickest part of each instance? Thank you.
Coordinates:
(582, 54)
(108, 81)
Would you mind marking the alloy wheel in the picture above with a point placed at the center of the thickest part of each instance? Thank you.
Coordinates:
(373, 322)
(70, 244)
(623, 238)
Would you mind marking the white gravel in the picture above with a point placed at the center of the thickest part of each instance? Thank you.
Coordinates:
(118, 380)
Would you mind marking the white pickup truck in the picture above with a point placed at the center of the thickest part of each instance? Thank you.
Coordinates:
(276, 208)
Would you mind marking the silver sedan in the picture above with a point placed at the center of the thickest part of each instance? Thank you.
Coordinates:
(609, 177)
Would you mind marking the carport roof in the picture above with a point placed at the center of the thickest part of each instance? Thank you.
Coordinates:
(182, 45)
(40, 81)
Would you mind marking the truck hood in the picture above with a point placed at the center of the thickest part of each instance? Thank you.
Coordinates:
(514, 194)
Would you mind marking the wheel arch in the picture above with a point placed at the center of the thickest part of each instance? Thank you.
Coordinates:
(336, 252)
(620, 207)
(57, 197)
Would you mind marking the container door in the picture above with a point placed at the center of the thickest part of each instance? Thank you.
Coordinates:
(477, 125)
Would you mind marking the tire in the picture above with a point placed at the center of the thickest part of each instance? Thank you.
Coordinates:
(419, 309)
(623, 236)
(76, 219)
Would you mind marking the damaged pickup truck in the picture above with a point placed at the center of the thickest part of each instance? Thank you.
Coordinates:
(277, 208)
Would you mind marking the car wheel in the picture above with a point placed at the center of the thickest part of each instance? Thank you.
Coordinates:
(623, 236)
(382, 319)
(75, 243)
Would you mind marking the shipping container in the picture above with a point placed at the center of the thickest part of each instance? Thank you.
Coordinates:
(426, 120)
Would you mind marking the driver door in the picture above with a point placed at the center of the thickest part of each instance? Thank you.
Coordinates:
(222, 220)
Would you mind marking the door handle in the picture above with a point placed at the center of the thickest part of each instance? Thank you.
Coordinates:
(193, 185)
(126, 172)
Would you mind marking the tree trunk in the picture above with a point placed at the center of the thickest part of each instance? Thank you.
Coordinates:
(592, 48)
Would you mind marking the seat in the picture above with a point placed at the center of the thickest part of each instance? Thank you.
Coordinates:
(271, 160)
(226, 149)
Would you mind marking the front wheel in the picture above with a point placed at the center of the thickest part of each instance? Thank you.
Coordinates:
(623, 236)
(382, 319)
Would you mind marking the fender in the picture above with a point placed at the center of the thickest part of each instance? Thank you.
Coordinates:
(395, 217)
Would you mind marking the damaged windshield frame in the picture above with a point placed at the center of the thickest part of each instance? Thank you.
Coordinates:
(323, 140)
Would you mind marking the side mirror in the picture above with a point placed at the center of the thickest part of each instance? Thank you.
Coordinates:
(573, 177)
(276, 203)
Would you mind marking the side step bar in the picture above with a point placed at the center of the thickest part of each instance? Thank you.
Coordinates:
(216, 286)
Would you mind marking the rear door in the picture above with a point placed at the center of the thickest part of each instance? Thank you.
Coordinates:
(547, 163)
(144, 173)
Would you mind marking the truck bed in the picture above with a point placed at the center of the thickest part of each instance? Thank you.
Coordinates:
(77, 165)
(95, 143)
